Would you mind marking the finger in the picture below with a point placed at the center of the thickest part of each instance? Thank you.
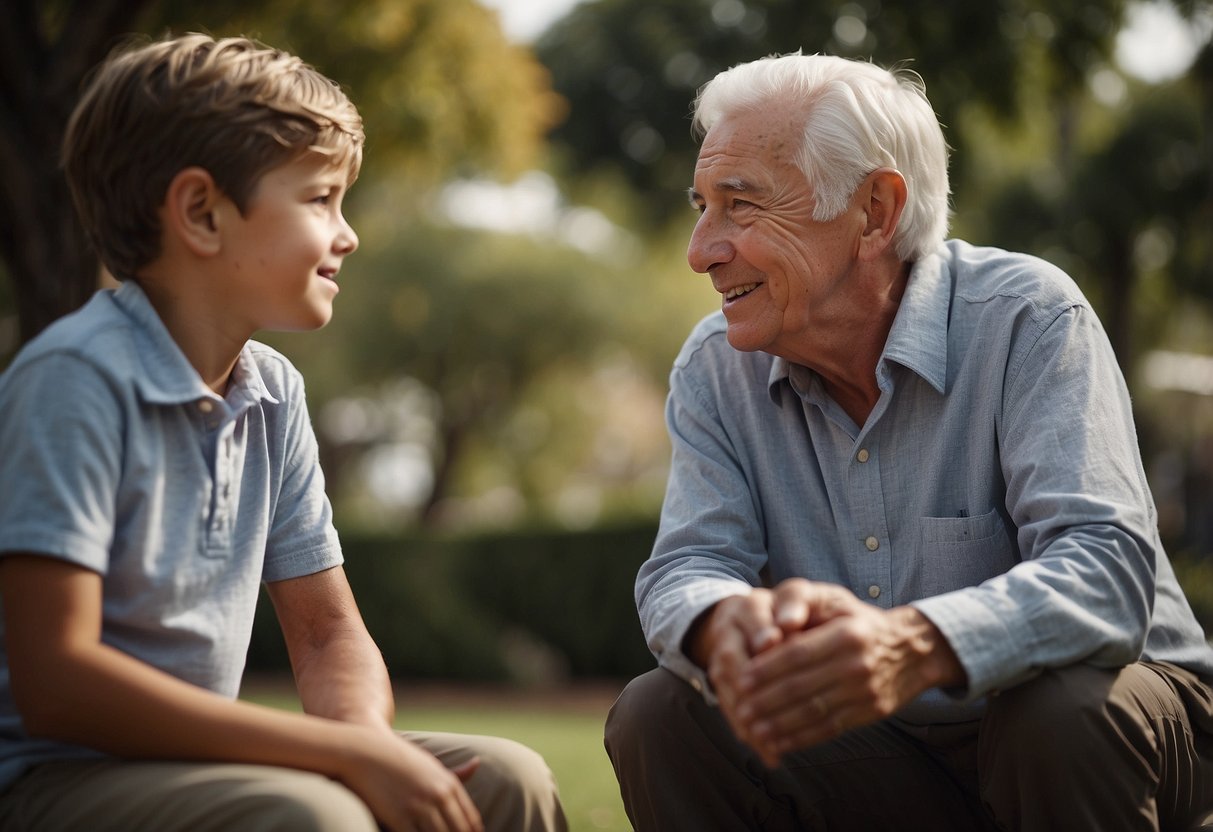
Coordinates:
(792, 604)
(756, 620)
(731, 633)
(469, 812)
(796, 669)
(835, 723)
(812, 712)
(797, 684)
(460, 814)
(465, 770)
(728, 658)
(772, 742)
(430, 819)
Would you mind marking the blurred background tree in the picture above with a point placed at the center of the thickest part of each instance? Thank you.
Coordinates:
(400, 60)
(502, 339)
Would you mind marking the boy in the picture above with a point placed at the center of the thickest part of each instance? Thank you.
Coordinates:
(158, 466)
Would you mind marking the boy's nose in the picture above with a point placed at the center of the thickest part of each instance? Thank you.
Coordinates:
(347, 239)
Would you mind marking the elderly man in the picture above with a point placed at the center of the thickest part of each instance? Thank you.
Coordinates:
(908, 574)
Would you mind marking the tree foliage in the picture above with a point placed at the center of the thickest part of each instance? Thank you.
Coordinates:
(441, 90)
(631, 68)
(1135, 206)
(526, 352)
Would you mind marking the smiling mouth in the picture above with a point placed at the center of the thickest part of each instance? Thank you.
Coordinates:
(738, 291)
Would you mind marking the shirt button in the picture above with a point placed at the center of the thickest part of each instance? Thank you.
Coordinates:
(698, 685)
(872, 543)
(873, 591)
(206, 405)
(863, 455)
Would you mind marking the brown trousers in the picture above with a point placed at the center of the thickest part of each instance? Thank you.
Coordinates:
(1080, 749)
(512, 788)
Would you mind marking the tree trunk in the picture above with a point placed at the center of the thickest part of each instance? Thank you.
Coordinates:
(49, 263)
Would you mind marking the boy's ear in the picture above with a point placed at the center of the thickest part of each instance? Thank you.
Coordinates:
(189, 210)
(884, 193)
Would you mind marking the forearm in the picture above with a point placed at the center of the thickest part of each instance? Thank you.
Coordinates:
(339, 671)
(101, 698)
(345, 679)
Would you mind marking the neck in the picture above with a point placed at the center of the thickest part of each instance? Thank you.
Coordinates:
(847, 354)
(206, 344)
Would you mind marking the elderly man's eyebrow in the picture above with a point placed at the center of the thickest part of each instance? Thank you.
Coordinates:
(734, 184)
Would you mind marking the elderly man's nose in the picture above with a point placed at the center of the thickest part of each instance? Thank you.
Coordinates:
(708, 248)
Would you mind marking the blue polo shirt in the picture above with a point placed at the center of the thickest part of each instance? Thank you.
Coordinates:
(117, 457)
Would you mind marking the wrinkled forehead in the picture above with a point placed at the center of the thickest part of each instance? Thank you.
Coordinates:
(767, 133)
(750, 147)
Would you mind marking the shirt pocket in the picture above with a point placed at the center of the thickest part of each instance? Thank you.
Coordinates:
(958, 552)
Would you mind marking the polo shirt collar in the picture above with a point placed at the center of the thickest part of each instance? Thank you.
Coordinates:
(166, 375)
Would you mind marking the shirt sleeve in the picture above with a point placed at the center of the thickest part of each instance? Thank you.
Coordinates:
(1077, 493)
(61, 430)
(709, 544)
(302, 539)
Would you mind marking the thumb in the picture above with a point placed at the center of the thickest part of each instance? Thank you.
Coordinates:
(792, 606)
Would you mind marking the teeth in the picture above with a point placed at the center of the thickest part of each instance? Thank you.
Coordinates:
(738, 291)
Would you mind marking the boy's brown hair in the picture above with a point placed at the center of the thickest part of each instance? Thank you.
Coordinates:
(233, 107)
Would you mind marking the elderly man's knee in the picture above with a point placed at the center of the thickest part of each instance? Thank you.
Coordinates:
(1067, 710)
(657, 699)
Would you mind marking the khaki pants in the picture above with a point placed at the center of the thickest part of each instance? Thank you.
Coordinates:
(512, 788)
(1073, 750)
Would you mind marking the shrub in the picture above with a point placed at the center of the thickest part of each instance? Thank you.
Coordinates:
(525, 607)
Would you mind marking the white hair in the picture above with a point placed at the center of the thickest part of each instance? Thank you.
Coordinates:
(858, 117)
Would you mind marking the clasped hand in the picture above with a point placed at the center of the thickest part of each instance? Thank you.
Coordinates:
(801, 664)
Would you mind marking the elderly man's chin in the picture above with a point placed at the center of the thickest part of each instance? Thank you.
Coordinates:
(745, 338)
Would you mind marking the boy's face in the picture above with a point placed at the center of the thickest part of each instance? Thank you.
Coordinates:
(286, 250)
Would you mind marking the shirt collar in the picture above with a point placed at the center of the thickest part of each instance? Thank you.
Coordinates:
(166, 375)
(918, 338)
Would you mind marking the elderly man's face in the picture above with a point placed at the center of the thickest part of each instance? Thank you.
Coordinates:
(782, 275)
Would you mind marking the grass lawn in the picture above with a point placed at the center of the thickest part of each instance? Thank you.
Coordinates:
(564, 726)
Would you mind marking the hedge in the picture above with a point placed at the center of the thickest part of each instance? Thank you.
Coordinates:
(524, 607)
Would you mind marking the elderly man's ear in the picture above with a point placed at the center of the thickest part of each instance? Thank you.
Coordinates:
(884, 197)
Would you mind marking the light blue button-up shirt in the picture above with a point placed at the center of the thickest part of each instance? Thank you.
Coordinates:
(117, 457)
(997, 485)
